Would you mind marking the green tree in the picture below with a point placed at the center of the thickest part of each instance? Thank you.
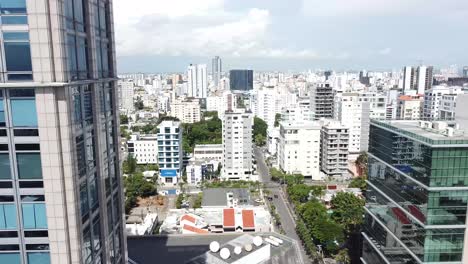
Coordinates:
(317, 191)
(123, 119)
(359, 182)
(299, 192)
(276, 175)
(198, 201)
(129, 165)
(260, 127)
(343, 257)
(294, 179)
(348, 210)
(260, 140)
(329, 234)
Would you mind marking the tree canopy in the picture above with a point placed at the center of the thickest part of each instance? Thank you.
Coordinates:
(203, 132)
(348, 210)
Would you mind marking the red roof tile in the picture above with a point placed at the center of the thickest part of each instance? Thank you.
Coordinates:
(248, 220)
(194, 229)
(188, 218)
(228, 218)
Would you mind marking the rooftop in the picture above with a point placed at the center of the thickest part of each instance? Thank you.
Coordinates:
(434, 133)
(209, 146)
(218, 196)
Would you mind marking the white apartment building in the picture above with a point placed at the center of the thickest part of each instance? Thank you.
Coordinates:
(377, 104)
(334, 149)
(410, 107)
(433, 100)
(263, 103)
(169, 151)
(299, 148)
(197, 81)
(273, 134)
(221, 104)
(187, 110)
(144, 148)
(237, 146)
(126, 93)
(208, 151)
(354, 112)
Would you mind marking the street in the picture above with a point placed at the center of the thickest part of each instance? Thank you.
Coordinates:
(287, 218)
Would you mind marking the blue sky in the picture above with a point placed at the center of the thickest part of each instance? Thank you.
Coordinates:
(165, 36)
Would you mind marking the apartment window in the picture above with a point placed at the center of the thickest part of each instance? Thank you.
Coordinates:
(10, 258)
(34, 216)
(29, 166)
(23, 108)
(2, 110)
(7, 217)
(84, 203)
(17, 55)
(5, 173)
(38, 258)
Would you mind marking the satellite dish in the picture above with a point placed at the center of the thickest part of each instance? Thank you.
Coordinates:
(248, 247)
(225, 253)
(257, 241)
(237, 250)
(214, 246)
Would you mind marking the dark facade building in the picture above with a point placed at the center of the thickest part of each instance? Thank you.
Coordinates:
(60, 185)
(321, 100)
(241, 80)
(417, 195)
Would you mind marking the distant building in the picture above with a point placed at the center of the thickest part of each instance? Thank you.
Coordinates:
(197, 82)
(334, 149)
(299, 148)
(187, 110)
(216, 70)
(419, 79)
(169, 151)
(410, 107)
(144, 148)
(237, 146)
(198, 170)
(208, 151)
(433, 101)
(321, 100)
(241, 80)
(226, 198)
(126, 95)
(465, 72)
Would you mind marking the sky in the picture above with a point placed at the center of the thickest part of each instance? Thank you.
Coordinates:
(290, 35)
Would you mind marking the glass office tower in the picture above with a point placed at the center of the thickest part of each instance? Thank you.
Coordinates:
(241, 80)
(60, 190)
(417, 193)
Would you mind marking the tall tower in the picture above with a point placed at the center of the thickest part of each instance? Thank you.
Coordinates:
(197, 84)
(216, 69)
(61, 191)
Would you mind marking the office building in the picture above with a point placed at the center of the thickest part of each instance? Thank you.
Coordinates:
(169, 151)
(334, 149)
(415, 199)
(144, 148)
(299, 148)
(241, 80)
(419, 79)
(208, 151)
(433, 100)
(126, 92)
(197, 84)
(187, 110)
(216, 70)
(409, 107)
(61, 192)
(353, 111)
(237, 146)
(321, 100)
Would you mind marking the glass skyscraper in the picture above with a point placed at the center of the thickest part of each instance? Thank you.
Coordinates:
(60, 187)
(241, 80)
(416, 201)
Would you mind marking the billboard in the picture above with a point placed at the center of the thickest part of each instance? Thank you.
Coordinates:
(168, 173)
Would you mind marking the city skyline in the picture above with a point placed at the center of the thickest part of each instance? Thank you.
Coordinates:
(158, 36)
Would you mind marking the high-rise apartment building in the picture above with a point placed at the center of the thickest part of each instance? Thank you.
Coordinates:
(216, 70)
(419, 79)
(60, 185)
(410, 107)
(144, 148)
(187, 111)
(241, 80)
(433, 100)
(299, 148)
(416, 196)
(197, 83)
(170, 151)
(334, 149)
(237, 146)
(321, 100)
(126, 92)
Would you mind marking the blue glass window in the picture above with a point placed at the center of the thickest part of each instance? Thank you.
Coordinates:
(34, 216)
(29, 165)
(18, 56)
(24, 112)
(14, 20)
(13, 6)
(5, 172)
(12, 36)
(2, 113)
(10, 258)
(84, 203)
(39, 258)
(7, 216)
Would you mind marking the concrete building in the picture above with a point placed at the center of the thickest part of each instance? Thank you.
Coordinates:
(377, 104)
(237, 146)
(354, 112)
(418, 79)
(221, 103)
(413, 228)
(299, 148)
(273, 140)
(465, 72)
(144, 148)
(264, 103)
(126, 92)
(321, 100)
(199, 169)
(197, 81)
(170, 151)
(208, 151)
(241, 80)
(61, 191)
(410, 107)
(216, 70)
(334, 149)
(226, 198)
(433, 100)
(186, 110)
(449, 105)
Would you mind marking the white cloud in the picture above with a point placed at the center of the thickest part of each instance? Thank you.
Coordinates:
(385, 51)
(194, 28)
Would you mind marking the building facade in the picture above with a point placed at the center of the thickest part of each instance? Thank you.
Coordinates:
(59, 124)
(170, 151)
(208, 151)
(410, 107)
(299, 148)
(126, 92)
(334, 149)
(433, 100)
(321, 101)
(241, 80)
(197, 81)
(237, 146)
(144, 148)
(187, 111)
(216, 70)
(416, 198)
